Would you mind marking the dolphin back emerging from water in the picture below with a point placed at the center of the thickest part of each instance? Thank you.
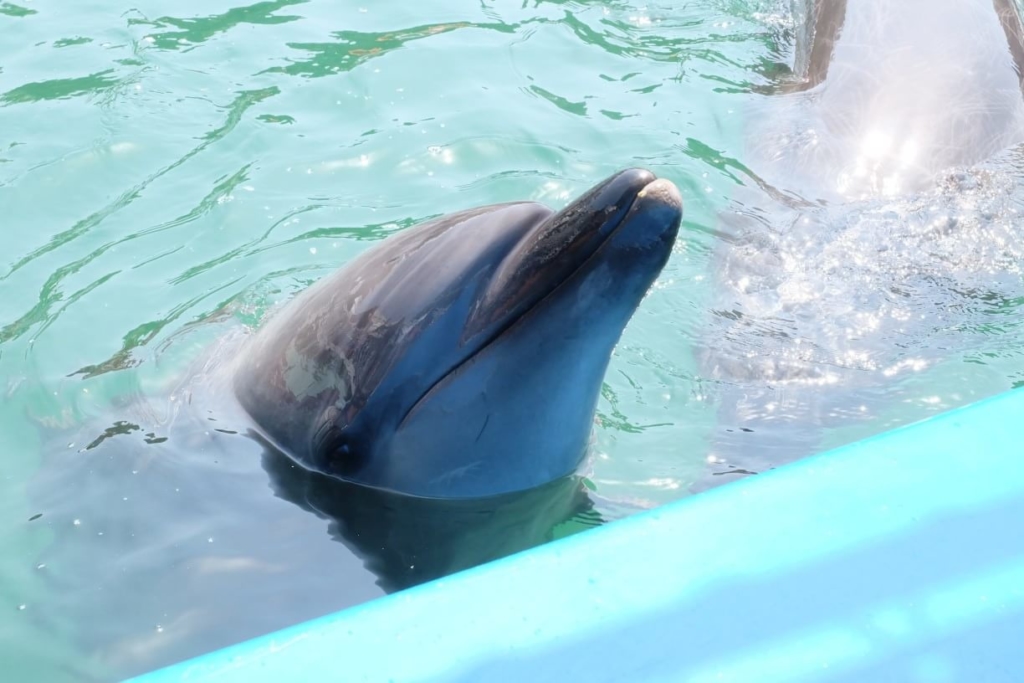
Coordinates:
(462, 358)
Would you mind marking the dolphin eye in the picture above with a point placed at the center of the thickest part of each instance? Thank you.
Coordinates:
(338, 454)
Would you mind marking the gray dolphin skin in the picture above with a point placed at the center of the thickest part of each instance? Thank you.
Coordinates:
(462, 358)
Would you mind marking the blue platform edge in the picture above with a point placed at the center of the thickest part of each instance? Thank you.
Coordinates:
(897, 558)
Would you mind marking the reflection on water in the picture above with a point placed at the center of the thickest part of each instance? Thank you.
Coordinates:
(406, 541)
(187, 32)
(169, 173)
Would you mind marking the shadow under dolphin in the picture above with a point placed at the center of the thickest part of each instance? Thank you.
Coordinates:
(408, 540)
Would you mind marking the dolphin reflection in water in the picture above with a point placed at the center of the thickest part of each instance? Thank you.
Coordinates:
(877, 233)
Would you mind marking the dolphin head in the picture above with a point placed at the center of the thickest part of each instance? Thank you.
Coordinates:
(462, 358)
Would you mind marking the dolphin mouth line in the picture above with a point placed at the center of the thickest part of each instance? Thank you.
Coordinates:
(513, 321)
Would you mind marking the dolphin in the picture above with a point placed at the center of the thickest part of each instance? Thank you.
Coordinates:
(462, 358)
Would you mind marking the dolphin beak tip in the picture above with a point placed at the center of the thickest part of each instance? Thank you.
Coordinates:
(663, 192)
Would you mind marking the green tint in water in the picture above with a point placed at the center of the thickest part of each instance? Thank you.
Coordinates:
(172, 170)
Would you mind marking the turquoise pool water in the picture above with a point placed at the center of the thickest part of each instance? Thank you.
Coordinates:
(170, 171)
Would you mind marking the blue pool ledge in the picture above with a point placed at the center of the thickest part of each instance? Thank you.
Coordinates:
(897, 558)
